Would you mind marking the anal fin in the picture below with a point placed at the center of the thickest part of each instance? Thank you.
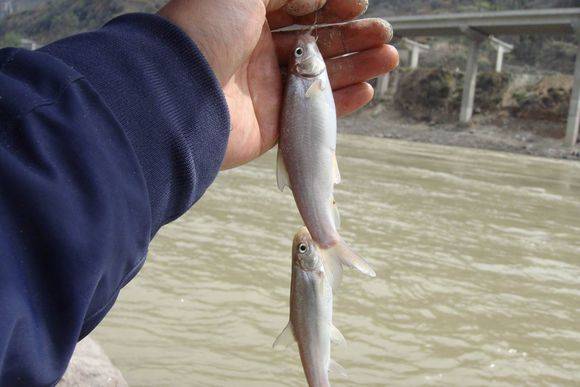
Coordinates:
(335, 368)
(335, 336)
(335, 214)
(335, 170)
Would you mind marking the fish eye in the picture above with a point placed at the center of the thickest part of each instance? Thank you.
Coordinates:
(298, 52)
(302, 248)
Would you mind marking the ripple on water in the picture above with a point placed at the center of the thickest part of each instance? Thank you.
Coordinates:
(477, 255)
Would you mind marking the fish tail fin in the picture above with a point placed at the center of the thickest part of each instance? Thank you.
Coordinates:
(342, 253)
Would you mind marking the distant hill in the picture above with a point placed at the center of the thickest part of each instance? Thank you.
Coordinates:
(544, 52)
(47, 20)
(54, 19)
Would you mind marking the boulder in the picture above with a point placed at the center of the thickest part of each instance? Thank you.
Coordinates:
(91, 367)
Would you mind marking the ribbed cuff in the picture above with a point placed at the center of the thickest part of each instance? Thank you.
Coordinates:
(167, 99)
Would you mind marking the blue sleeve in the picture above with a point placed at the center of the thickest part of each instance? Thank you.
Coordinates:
(104, 137)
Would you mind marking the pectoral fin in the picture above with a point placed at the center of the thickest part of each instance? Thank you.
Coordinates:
(336, 368)
(335, 336)
(284, 339)
(281, 173)
(316, 87)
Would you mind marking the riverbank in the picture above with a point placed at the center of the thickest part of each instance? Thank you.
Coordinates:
(492, 132)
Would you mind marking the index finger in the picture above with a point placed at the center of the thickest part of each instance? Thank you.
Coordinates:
(340, 39)
(334, 11)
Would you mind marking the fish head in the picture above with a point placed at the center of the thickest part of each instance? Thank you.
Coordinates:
(307, 61)
(305, 252)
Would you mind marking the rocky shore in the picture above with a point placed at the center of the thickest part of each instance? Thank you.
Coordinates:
(91, 367)
(487, 131)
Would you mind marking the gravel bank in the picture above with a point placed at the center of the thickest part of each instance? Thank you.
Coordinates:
(506, 134)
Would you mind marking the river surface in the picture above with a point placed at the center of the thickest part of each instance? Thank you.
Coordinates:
(477, 257)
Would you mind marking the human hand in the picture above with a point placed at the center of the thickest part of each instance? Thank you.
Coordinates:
(236, 38)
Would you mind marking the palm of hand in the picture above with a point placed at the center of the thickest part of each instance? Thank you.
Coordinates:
(246, 56)
(254, 96)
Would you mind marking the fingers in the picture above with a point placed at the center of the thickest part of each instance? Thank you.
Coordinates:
(362, 66)
(274, 5)
(352, 98)
(334, 11)
(303, 7)
(339, 40)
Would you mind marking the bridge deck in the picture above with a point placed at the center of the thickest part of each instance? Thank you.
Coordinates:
(543, 21)
(477, 25)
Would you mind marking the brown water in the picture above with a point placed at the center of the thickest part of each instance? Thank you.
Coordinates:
(478, 263)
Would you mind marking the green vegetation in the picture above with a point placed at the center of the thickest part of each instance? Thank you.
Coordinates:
(11, 39)
(548, 99)
(429, 94)
(545, 52)
(54, 19)
(434, 95)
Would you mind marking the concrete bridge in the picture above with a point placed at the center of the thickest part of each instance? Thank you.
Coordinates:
(479, 27)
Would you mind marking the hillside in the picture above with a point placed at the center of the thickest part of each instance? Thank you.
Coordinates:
(531, 51)
(410, 7)
(49, 20)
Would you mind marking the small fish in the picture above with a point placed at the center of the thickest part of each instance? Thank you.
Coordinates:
(307, 155)
(310, 322)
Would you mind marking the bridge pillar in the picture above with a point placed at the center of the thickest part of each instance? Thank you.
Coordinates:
(574, 112)
(499, 59)
(416, 49)
(469, 83)
(502, 48)
(470, 80)
(382, 86)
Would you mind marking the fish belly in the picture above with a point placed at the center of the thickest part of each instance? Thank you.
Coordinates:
(311, 317)
(308, 144)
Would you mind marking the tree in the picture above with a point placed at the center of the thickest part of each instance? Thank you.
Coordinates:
(10, 39)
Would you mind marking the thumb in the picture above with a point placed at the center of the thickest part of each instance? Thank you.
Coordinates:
(225, 31)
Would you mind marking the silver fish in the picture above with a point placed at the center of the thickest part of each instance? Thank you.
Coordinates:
(307, 154)
(311, 312)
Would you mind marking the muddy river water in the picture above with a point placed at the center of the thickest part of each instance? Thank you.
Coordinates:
(478, 276)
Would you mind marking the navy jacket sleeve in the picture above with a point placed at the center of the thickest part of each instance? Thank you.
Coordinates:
(104, 137)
